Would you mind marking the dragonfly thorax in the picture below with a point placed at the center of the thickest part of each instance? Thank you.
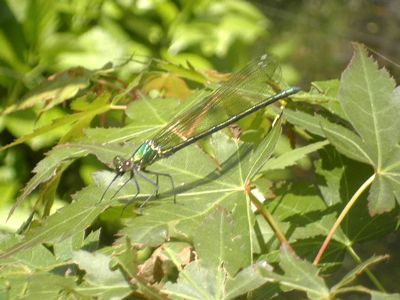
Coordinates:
(146, 154)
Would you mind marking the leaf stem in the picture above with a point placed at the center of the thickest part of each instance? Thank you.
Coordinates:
(367, 271)
(270, 219)
(342, 215)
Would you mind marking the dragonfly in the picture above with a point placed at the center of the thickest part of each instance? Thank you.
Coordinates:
(247, 91)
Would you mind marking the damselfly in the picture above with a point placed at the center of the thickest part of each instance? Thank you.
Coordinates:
(252, 88)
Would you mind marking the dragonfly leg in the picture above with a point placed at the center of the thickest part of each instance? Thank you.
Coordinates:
(155, 184)
(157, 193)
(130, 178)
(137, 190)
(115, 177)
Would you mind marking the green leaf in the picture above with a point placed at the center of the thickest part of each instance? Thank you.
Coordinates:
(351, 276)
(178, 253)
(65, 154)
(170, 85)
(384, 296)
(298, 275)
(181, 71)
(40, 21)
(45, 170)
(199, 186)
(325, 93)
(38, 257)
(295, 199)
(85, 117)
(338, 179)
(347, 142)
(304, 219)
(68, 221)
(126, 259)
(152, 228)
(221, 286)
(63, 250)
(197, 282)
(218, 241)
(371, 103)
(145, 117)
(39, 286)
(245, 281)
(104, 282)
(58, 88)
(306, 121)
(253, 164)
(367, 98)
(264, 239)
(289, 158)
(332, 176)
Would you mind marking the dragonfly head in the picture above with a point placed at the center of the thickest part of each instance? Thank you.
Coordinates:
(123, 165)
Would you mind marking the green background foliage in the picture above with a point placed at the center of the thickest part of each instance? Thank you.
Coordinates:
(84, 81)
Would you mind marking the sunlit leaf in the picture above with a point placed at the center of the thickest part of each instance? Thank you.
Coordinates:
(105, 283)
(170, 85)
(58, 88)
(299, 275)
(371, 103)
(220, 242)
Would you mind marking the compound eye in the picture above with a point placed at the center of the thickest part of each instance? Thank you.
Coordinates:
(118, 161)
(126, 166)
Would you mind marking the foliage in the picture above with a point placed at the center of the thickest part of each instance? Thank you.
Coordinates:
(212, 244)
(40, 38)
(56, 35)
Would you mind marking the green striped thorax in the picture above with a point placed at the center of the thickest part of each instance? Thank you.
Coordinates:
(144, 156)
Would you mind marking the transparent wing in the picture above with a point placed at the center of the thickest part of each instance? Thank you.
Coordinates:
(252, 84)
